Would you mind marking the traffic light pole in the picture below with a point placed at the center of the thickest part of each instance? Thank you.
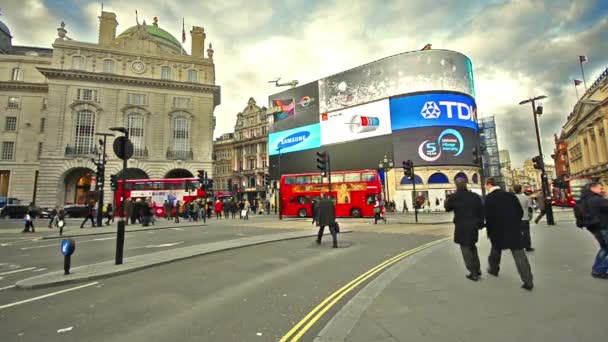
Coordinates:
(100, 184)
(414, 195)
(279, 191)
(120, 233)
(544, 180)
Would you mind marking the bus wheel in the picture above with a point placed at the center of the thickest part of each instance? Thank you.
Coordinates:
(302, 213)
(355, 212)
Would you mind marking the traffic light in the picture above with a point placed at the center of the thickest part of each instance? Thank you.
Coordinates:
(267, 180)
(201, 177)
(209, 184)
(322, 161)
(113, 183)
(408, 169)
(538, 162)
(99, 173)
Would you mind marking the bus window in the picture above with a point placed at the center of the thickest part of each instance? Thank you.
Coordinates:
(289, 180)
(317, 180)
(352, 177)
(368, 177)
(337, 178)
(371, 199)
(303, 180)
(304, 199)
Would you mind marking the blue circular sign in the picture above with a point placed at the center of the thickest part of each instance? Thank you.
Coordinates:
(68, 246)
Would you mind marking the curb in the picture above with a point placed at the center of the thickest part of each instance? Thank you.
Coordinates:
(165, 257)
(51, 237)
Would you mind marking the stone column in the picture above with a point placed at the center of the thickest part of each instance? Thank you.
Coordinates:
(604, 124)
(600, 143)
(591, 143)
(584, 152)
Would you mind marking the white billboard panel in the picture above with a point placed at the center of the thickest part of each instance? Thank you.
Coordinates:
(360, 122)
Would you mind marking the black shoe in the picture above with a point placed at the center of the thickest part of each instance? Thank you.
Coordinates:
(335, 245)
(493, 272)
(529, 249)
(318, 241)
(528, 287)
(473, 277)
(599, 275)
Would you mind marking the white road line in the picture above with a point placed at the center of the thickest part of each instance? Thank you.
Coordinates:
(6, 288)
(167, 244)
(58, 245)
(64, 330)
(41, 246)
(47, 295)
(16, 271)
(177, 228)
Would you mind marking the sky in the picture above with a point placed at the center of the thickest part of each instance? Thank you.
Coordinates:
(519, 48)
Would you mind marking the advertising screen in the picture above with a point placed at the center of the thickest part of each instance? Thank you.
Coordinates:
(296, 139)
(434, 109)
(365, 121)
(430, 146)
(405, 73)
(295, 107)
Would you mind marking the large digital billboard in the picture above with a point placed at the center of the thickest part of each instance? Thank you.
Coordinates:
(434, 109)
(428, 146)
(409, 72)
(295, 139)
(295, 107)
(360, 122)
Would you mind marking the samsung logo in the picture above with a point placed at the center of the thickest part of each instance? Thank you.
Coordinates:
(293, 139)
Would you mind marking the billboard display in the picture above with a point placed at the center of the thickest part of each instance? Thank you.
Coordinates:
(360, 122)
(296, 139)
(428, 146)
(433, 109)
(410, 72)
(295, 107)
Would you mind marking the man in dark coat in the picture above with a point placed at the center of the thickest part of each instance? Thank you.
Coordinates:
(597, 206)
(468, 219)
(90, 215)
(327, 217)
(503, 219)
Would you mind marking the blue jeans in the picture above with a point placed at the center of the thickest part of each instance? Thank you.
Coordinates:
(601, 260)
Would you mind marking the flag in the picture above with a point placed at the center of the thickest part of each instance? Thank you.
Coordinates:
(582, 59)
(577, 82)
(183, 31)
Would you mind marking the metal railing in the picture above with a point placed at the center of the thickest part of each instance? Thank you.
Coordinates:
(181, 155)
(80, 150)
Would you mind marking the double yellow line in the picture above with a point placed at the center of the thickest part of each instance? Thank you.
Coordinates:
(307, 322)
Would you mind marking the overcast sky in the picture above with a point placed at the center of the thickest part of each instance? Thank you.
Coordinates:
(518, 48)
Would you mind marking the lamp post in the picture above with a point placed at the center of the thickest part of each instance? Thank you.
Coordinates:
(120, 233)
(279, 186)
(385, 164)
(101, 166)
(544, 180)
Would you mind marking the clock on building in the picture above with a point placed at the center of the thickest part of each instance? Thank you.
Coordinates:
(138, 67)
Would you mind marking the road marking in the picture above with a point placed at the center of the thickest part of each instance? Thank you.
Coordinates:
(46, 295)
(157, 246)
(7, 287)
(16, 271)
(58, 245)
(64, 330)
(177, 228)
(309, 320)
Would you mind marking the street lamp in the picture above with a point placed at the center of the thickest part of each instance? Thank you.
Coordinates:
(545, 182)
(385, 164)
(120, 234)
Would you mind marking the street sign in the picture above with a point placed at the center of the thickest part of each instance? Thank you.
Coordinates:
(67, 247)
(123, 148)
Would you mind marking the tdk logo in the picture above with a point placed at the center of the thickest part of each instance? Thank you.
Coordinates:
(431, 110)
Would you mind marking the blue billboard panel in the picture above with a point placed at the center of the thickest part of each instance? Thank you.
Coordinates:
(295, 139)
(434, 109)
(431, 146)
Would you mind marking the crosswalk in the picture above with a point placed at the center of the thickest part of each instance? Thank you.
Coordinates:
(10, 273)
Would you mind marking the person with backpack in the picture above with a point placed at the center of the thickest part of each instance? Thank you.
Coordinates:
(524, 201)
(591, 212)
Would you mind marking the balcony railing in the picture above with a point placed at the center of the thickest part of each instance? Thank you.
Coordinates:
(181, 155)
(140, 153)
(85, 151)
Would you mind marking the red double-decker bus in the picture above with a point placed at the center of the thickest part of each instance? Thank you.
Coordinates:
(157, 191)
(569, 192)
(354, 192)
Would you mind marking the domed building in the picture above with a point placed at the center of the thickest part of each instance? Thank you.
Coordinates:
(141, 79)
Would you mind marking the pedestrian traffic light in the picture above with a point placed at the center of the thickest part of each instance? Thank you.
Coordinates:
(538, 162)
(113, 183)
(201, 177)
(322, 162)
(408, 169)
(267, 180)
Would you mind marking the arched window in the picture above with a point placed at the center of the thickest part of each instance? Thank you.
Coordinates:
(85, 130)
(165, 73)
(407, 181)
(192, 76)
(461, 175)
(181, 134)
(135, 124)
(475, 178)
(438, 178)
(77, 62)
(108, 66)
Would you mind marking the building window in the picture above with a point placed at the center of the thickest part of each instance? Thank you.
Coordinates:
(77, 62)
(11, 123)
(16, 75)
(42, 125)
(251, 164)
(137, 99)
(181, 134)
(264, 163)
(192, 76)
(8, 150)
(181, 102)
(44, 103)
(85, 129)
(39, 149)
(13, 102)
(108, 66)
(87, 95)
(135, 125)
(165, 73)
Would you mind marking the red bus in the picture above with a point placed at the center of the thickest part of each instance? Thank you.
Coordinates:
(569, 192)
(157, 191)
(354, 192)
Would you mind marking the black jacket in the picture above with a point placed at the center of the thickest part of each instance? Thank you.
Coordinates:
(597, 206)
(468, 216)
(503, 219)
(327, 212)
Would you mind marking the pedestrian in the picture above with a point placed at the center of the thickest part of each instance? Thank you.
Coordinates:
(177, 209)
(246, 209)
(109, 214)
(29, 219)
(596, 205)
(167, 209)
(219, 206)
(378, 209)
(267, 207)
(53, 214)
(90, 215)
(524, 201)
(327, 217)
(315, 210)
(541, 203)
(468, 220)
(503, 215)
(241, 210)
(128, 211)
(405, 209)
(226, 209)
(209, 208)
(60, 220)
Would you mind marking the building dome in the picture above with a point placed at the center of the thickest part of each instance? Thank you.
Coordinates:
(157, 34)
(5, 29)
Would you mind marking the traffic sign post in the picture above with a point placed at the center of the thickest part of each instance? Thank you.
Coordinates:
(67, 249)
(123, 147)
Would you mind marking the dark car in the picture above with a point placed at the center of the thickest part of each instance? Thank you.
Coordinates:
(8, 200)
(18, 211)
(76, 210)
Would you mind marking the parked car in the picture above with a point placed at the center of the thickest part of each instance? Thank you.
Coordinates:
(8, 200)
(18, 211)
(76, 210)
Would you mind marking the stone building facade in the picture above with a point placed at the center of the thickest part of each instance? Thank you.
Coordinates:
(141, 79)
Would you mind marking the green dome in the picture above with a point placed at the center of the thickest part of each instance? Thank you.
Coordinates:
(157, 32)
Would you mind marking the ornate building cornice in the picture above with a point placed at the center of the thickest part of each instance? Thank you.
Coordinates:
(80, 75)
(24, 86)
